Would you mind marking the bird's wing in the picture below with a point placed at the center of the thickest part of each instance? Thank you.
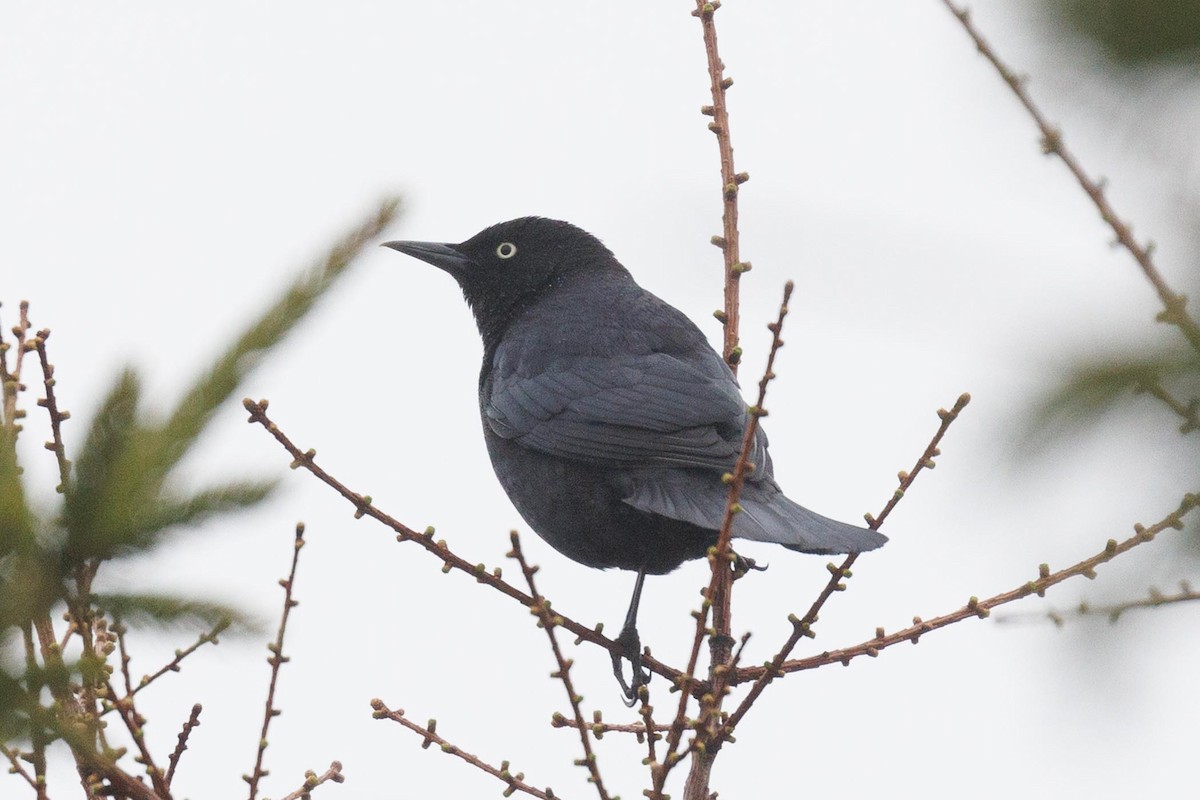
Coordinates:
(646, 409)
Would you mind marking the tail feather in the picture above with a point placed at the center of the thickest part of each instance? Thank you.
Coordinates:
(767, 515)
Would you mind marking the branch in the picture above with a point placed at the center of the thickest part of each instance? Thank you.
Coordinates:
(802, 627)
(730, 183)
(10, 380)
(276, 660)
(516, 783)
(982, 608)
(312, 780)
(439, 549)
(13, 757)
(1174, 311)
(1190, 413)
(174, 665)
(547, 621)
(192, 723)
(1113, 611)
(50, 403)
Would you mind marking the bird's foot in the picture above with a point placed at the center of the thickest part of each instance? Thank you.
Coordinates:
(631, 648)
(742, 565)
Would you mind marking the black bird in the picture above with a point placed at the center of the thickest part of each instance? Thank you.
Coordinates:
(608, 417)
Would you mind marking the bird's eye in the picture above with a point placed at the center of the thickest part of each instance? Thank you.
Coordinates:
(506, 250)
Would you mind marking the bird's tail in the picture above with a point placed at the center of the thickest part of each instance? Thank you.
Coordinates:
(769, 516)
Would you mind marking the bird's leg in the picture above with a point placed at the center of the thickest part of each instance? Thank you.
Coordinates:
(744, 564)
(631, 647)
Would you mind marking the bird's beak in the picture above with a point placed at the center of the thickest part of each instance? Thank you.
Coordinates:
(442, 256)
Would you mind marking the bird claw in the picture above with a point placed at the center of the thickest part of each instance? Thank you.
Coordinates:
(742, 565)
(631, 648)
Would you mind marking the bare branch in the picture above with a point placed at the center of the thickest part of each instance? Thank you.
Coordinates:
(802, 627)
(731, 181)
(547, 620)
(1114, 611)
(312, 780)
(516, 782)
(1174, 305)
(276, 660)
(1189, 413)
(982, 608)
(439, 549)
(192, 723)
(50, 403)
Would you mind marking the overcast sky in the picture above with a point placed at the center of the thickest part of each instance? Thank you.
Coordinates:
(167, 170)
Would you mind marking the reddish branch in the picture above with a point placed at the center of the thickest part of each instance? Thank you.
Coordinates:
(731, 180)
(312, 780)
(276, 660)
(192, 723)
(802, 626)
(982, 608)
(548, 621)
(439, 549)
(516, 782)
(1174, 304)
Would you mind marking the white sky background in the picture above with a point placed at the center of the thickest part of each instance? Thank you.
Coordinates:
(167, 172)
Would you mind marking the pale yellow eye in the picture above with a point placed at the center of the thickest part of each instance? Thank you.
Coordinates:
(506, 250)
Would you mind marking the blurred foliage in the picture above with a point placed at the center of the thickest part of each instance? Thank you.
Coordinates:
(1134, 33)
(120, 501)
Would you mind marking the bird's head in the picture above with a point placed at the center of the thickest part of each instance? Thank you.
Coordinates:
(503, 267)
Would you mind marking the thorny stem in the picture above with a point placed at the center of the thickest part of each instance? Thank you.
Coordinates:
(982, 608)
(516, 782)
(731, 182)
(276, 660)
(802, 627)
(1174, 305)
(312, 780)
(439, 549)
(549, 620)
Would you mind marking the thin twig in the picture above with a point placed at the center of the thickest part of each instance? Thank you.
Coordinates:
(1189, 413)
(276, 660)
(439, 549)
(802, 626)
(37, 735)
(1113, 611)
(192, 723)
(982, 608)
(1174, 305)
(10, 380)
(135, 724)
(548, 621)
(312, 780)
(13, 757)
(515, 782)
(57, 416)
(599, 728)
(175, 664)
(718, 597)
(731, 181)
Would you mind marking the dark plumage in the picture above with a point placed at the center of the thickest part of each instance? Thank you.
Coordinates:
(608, 417)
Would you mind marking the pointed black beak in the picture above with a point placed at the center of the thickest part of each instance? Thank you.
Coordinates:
(442, 256)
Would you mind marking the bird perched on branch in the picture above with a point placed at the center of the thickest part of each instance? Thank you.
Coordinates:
(609, 419)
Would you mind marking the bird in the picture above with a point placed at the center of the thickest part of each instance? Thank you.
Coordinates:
(608, 417)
